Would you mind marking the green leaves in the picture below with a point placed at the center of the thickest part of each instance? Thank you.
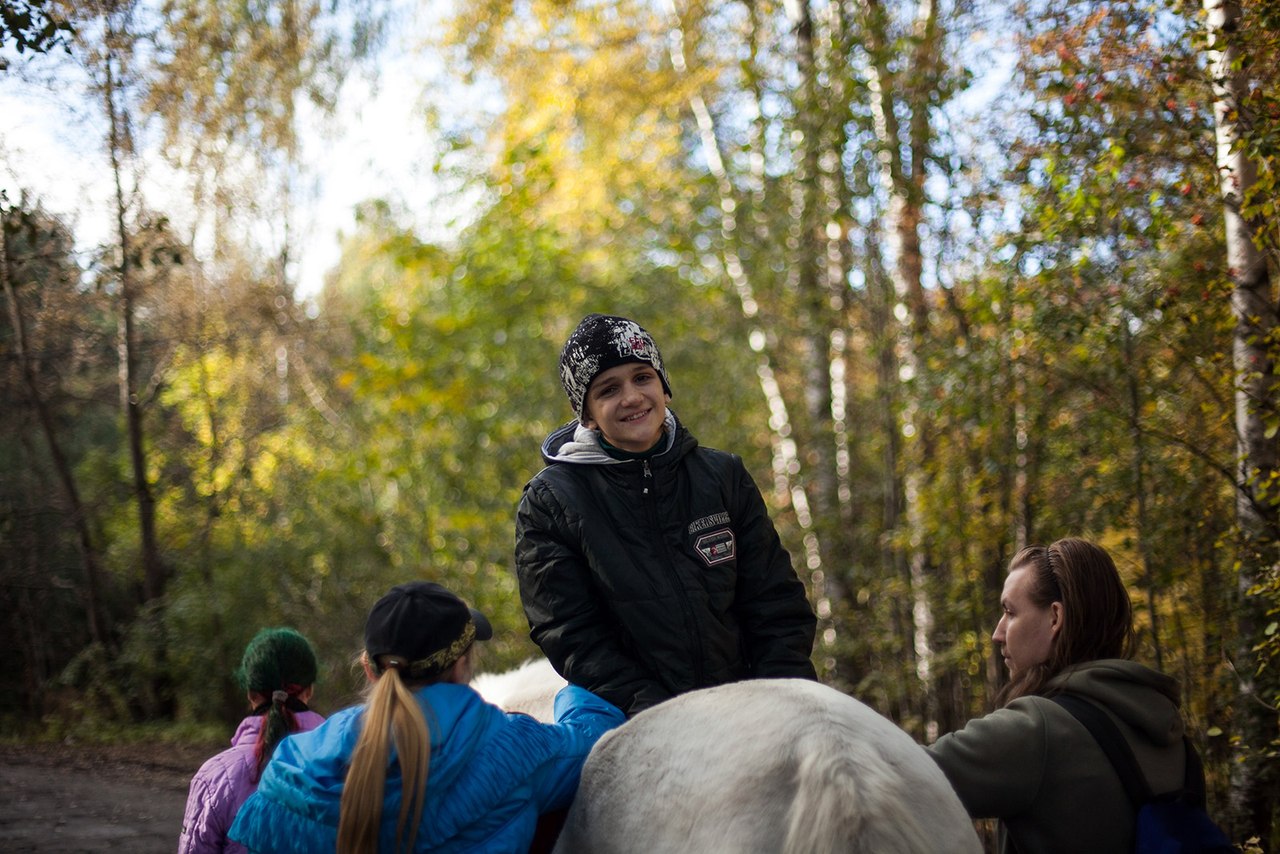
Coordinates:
(33, 25)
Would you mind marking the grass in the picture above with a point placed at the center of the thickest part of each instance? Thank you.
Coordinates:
(90, 730)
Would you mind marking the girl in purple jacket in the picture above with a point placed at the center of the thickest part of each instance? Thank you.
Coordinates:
(278, 671)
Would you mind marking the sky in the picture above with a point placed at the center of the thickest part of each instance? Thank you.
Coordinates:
(377, 146)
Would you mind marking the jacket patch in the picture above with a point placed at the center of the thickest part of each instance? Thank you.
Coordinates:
(717, 547)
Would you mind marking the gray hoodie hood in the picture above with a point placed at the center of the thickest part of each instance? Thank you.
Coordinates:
(1145, 699)
(576, 443)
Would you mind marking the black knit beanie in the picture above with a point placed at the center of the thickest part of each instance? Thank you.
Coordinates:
(601, 342)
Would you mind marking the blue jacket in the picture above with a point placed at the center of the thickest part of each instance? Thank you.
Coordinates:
(491, 774)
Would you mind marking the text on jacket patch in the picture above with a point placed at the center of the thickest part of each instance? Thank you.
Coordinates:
(708, 522)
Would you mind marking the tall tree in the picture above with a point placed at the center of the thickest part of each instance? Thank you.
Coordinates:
(1257, 415)
(1130, 266)
(110, 63)
(12, 223)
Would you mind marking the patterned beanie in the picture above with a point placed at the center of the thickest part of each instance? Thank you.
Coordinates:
(601, 342)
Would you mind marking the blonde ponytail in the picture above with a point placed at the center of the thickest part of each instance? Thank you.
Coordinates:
(391, 716)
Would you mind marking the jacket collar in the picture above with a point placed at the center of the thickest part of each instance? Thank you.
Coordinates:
(575, 443)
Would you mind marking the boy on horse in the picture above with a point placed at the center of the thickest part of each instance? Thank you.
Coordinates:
(648, 564)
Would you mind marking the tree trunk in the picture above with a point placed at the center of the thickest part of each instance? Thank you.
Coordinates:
(786, 461)
(1253, 775)
(819, 276)
(155, 574)
(98, 629)
(903, 182)
(1139, 464)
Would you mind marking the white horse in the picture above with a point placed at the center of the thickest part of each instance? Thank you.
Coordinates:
(751, 767)
(530, 688)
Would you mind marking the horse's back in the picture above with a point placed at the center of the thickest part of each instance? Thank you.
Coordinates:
(764, 766)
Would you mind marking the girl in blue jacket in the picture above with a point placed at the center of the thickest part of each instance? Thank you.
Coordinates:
(426, 764)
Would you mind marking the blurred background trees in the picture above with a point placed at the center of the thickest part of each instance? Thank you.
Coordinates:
(953, 278)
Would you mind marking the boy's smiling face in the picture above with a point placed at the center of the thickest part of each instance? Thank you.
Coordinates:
(627, 405)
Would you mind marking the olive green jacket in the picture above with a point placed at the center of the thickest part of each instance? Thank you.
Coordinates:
(1038, 770)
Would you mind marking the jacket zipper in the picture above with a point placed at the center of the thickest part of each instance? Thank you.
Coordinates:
(690, 620)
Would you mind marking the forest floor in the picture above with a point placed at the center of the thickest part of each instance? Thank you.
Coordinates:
(95, 798)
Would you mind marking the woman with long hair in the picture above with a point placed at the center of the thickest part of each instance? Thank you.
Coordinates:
(425, 764)
(1066, 628)
(277, 673)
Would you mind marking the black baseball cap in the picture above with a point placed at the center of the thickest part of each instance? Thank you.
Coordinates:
(425, 625)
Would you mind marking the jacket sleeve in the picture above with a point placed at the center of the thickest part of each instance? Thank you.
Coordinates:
(777, 622)
(566, 617)
(996, 763)
(581, 718)
(204, 824)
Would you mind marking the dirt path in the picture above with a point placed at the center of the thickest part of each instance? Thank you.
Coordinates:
(91, 799)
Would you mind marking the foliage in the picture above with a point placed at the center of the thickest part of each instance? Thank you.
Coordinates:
(32, 25)
(934, 335)
(1260, 114)
(228, 84)
(51, 378)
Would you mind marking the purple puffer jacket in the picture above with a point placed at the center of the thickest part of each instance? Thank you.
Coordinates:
(222, 785)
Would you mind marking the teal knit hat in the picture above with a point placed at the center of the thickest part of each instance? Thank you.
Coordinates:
(277, 658)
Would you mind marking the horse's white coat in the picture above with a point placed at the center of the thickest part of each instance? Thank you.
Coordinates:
(752, 767)
(530, 688)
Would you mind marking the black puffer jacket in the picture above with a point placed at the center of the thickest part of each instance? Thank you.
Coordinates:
(643, 579)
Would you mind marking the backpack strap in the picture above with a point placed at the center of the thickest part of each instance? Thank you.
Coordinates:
(1193, 785)
(1113, 744)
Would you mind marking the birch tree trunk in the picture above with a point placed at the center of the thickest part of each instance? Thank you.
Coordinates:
(819, 270)
(786, 460)
(903, 178)
(1253, 775)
